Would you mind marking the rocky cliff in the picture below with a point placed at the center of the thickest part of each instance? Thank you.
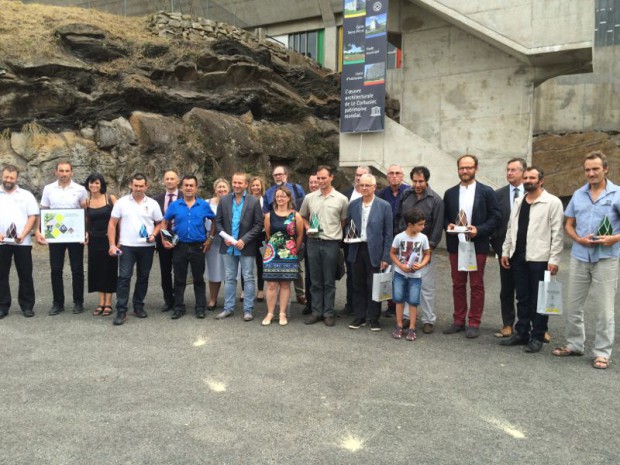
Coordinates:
(117, 95)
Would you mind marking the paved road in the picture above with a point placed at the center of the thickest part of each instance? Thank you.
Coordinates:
(76, 390)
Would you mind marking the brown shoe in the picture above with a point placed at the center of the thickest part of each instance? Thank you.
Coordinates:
(506, 331)
(547, 337)
(329, 321)
(428, 328)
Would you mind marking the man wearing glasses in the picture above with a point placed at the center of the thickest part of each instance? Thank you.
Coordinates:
(280, 177)
(475, 204)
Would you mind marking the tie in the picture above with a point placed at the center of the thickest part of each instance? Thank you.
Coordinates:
(170, 200)
(516, 194)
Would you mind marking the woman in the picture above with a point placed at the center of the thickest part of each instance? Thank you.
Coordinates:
(102, 269)
(214, 261)
(257, 189)
(285, 233)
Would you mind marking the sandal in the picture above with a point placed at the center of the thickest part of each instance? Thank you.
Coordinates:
(107, 310)
(600, 363)
(301, 299)
(99, 310)
(267, 320)
(283, 320)
(565, 352)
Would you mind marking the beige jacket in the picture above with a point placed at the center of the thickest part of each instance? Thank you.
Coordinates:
(544, 231)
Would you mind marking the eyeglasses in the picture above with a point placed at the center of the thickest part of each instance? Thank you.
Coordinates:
(466, 168)
(366, 186)
(278, 174)
(395, 173)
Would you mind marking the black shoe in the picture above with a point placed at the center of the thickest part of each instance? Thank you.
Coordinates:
(533, 346)
(28, 313)
(452, 329)
(329, 321)
(140, 313)
(56, 309)
(166, 307)
(357, 323)
(472, 332)
(374, 325)
(307, 310)
(200, 314)
(120, 318)
(78, 308)
(176, 315)
(3, 313)
(514, 340)
(211, 307)
(389, 313)
(312, 319)
(346, 311)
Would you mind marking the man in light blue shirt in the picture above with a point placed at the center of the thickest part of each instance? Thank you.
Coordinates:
(593, 223)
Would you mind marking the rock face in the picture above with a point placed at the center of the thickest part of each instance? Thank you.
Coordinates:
(200, 96)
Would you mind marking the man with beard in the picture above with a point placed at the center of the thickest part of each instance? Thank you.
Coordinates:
(474, 203)
(19, 215)
(533, 245)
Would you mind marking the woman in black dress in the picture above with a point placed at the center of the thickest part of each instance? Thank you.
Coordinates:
(102, 269)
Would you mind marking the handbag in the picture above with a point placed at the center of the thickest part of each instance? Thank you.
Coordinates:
(467, 257)
(340, 269)
(382, 285)
(549, 296)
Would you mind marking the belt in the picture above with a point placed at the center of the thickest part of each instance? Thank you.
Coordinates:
(190, 243)
(324, 240)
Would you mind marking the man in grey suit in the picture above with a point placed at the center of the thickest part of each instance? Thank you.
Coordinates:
(373, 221)
(239, 215)
(506, 197)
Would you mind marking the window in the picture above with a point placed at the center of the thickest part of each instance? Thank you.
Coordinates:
(308, 43)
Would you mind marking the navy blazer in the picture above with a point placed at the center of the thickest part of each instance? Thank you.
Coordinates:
(250, 226)
(378, 230)
(502, 195)
(486, 216)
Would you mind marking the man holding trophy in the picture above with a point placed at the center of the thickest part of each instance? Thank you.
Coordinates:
(19, 215)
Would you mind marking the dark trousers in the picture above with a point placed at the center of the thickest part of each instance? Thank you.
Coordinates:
(57, 263)
(165, 268)
(362, 271)
(308, 280)
(22, 254)
(322, 256)
(189, 254)
(142, 257)
(349, 301)
(507, 295)
(527, 275)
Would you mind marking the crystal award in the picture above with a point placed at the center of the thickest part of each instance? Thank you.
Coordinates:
(11, 234)
(605, 228)
(352, 236)
(460, 224)
(315, 226)
(144, 235)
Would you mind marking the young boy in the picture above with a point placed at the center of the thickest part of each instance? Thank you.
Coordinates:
(410, 252)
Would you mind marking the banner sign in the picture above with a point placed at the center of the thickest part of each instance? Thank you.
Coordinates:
(364, 54)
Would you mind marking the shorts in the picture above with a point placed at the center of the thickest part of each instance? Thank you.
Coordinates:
(406, 290)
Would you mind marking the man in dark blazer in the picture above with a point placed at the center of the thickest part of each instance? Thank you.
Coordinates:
(171, 183)
(477, 202)
(506, 197)
(239, 215)
(373, 221)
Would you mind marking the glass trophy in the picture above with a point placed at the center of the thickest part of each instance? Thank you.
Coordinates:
(315, 226)
(460, 224)
(144, 235)
(170, 237)
(352, 236)
(605, 228)
(11, 234)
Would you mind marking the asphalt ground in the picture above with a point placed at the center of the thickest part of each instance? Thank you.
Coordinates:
(78, 390)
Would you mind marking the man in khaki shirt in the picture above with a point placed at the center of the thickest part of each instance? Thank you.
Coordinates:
(330, 208)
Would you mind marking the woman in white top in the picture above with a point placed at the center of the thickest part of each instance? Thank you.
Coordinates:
(214, 261)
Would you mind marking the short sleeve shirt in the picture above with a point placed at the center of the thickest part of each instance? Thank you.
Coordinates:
(136, 220)
(15, 209)
(410, 250)
(55, 196)
(331, 210)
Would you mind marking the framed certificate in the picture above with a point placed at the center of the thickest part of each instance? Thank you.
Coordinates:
(63, 225)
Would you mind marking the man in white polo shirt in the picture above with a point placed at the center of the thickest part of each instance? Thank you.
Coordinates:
(139, 218)
(19, 215)
(64, 193)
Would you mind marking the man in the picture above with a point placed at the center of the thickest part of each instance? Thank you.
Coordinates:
(164, 200)
(64, 193)
(188, 216)
(330, 207)
(313, 183)
(239, 216)
(393, 193)
(593, 223)
(19, 215)
(313, 186)
(477, 203)
(373, 219)
(280, 177)
(422, 197)
(533, 244)
(139, 218)
(506, 197)
(352, 193)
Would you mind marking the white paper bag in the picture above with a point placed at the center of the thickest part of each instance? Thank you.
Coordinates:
(549, 296)
(382, 285)
(467, 257)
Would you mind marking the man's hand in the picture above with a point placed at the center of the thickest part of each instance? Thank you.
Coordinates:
(472, 231)
(19, 239)
(553, 268)
(114, 251)
(383, 266)
(505, 261)
(40, 239)
(166, 244)
(240, 244)
(606, 241)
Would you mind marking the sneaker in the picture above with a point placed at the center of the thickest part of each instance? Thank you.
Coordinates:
(120, 318)
(357, 323)
(374, 325)
(200, 314)
(248, 316)
(453, 329)
(223, 314)
(397, 333)
(428, 328)
(472, 332)
(411, 335)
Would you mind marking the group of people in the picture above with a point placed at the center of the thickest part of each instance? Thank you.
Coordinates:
(261, 235)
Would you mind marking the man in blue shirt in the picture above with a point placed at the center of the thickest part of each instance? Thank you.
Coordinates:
(280, 177)
(188, 214)
(593, 223)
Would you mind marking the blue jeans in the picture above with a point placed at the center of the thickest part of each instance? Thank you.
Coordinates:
(406, 289)
(231, 267)
(142, 257)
